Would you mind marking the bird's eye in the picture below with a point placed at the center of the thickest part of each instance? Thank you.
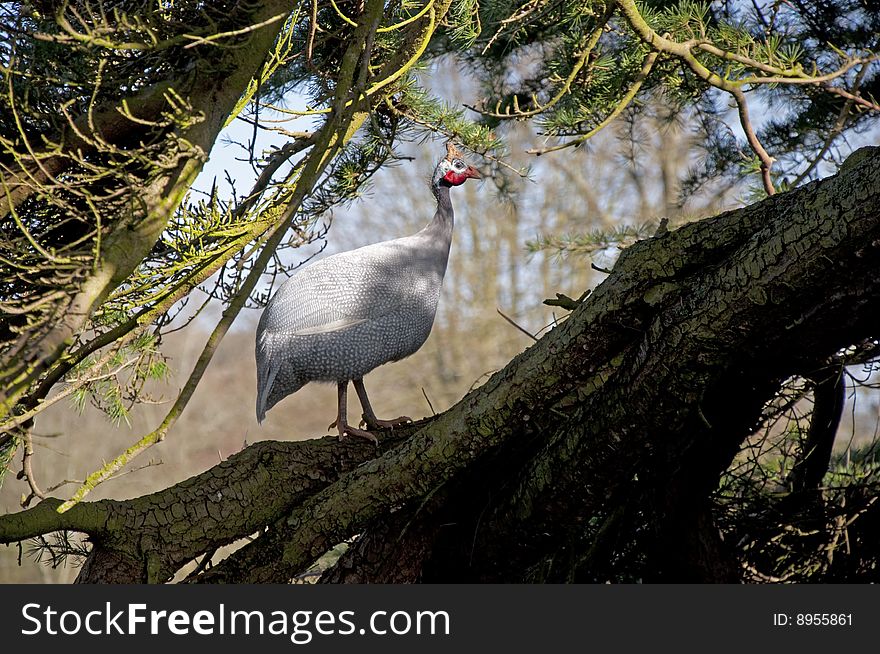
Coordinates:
(459, 164)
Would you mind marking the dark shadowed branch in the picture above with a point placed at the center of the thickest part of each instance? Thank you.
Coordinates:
(551, 459)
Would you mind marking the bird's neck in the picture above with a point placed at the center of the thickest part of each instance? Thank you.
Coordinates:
(444, 216)
(439, 231)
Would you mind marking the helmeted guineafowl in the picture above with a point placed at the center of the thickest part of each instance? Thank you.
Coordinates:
(341, 317)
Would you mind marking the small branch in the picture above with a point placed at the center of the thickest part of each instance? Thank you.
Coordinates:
(424, 10)
(68, 390)
(61, 484)
(778, 75)
(835, 132)
(859, 100)
(662, 227)
(428, 400)
(511, 321)
(110, 469)
(582, 58)
(829, 397)
(27, 470)
(799, 77)
(684, 52)
(203, 565)
(566, 302)
(196, 40)
(440, 129)
(754, 142)
(624, 102)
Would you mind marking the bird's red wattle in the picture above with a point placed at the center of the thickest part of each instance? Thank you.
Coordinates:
(454, 178)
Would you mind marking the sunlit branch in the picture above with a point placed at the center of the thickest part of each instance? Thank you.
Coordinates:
(619, 108)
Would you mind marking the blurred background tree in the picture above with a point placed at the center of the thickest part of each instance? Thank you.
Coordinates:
(122, 281)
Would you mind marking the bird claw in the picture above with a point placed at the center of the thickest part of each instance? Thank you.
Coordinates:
(360, 433)
(375, 423)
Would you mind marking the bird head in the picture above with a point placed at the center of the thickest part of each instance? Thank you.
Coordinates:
(453, 170)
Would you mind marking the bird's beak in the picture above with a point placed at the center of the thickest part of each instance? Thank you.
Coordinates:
(472, 172)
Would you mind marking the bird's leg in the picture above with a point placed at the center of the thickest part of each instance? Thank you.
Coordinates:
(341, 422)
(369, 418)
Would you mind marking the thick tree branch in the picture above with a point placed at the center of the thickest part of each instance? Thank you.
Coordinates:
(677, 325)
(717, 312)
(234, 499)
(829, 397)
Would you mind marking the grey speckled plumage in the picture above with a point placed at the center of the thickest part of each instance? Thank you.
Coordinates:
(343, 316)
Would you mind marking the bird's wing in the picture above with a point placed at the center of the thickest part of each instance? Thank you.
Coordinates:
(338, 292)
(334, 326)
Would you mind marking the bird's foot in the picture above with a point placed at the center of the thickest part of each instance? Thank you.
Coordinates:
(375, 423)
(347, 430)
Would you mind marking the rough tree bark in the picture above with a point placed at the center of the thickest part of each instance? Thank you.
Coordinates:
(605, 438)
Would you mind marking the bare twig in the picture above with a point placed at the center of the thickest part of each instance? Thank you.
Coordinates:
(512, 322)
(754, 142)
(27, 470)
(621, 105)
(583, 56)
(428, 400)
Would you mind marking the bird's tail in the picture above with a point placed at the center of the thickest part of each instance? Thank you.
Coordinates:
(266, 373)
(265, 379)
